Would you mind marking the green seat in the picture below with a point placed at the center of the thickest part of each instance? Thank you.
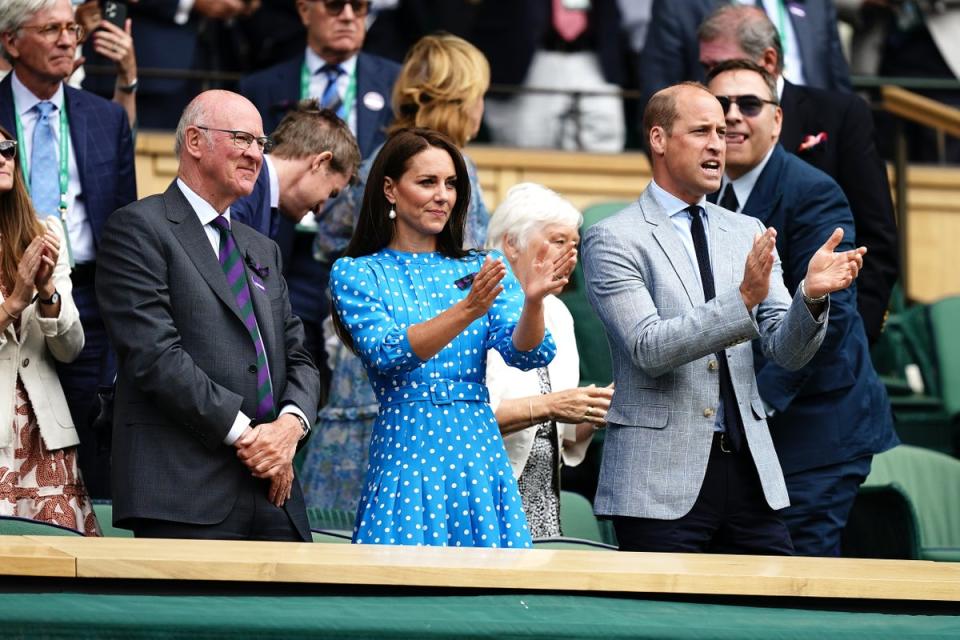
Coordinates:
(944, 322)
(104, 511)
(331, 519)
(14, 526)
(328, 537)
(577, 519)
(930, 482)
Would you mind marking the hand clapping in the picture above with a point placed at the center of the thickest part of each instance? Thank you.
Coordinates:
(759, 265)
(485, 288)
(549, 275)
(829, 270)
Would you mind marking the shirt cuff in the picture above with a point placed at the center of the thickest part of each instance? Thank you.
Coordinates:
(184, 7)
(240, 425)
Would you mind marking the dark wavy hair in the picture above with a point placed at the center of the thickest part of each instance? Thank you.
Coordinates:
(375, 230)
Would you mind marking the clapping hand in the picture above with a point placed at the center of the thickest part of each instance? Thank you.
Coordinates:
(485, 288)
(830, 270)
(49, 254)
(549, 273)
(759, 265)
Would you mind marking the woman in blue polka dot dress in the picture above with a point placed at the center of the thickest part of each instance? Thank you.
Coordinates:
(421, 312)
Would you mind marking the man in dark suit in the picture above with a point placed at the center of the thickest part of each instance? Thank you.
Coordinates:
(831, 130)
(313, 158)
(214, 384)
(829, 417)
(671, 52)
(357, 86)
(529, 43)
(95, 177)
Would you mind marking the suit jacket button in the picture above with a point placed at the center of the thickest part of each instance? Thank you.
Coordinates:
(26, 361)
(252, 368)
(712, 365)
(708, 412)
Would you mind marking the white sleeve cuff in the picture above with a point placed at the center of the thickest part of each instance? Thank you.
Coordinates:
(184, 7)
(240, 425)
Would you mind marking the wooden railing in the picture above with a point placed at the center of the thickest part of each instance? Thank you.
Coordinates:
(932, 195)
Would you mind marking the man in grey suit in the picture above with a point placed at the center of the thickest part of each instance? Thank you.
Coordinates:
(683, 287)
(214, 384)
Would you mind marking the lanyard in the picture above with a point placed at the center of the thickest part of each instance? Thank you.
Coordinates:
(64, 166)
(781, 26)
(344, 111)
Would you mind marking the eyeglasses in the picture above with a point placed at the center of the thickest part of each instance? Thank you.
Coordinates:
(336, 7)
(749, 105)
(8, 149)
(51, 32)
(243, 140)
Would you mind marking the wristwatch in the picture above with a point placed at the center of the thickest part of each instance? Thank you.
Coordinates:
(53, 299)
(808, 299)
(303, 425)
(129, 88)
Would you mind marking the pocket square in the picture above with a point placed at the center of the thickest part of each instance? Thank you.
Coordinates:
(811, 141)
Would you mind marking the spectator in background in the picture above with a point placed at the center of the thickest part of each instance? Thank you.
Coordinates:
(544, 44)
(314, 157)
(546, 420)
(829, 417)
(440, 86)
(399, 24)
(831, 130)
(167, 33)
(39, 478)
(115, 44)
(356, 86)
(79, 189)
(808, 30)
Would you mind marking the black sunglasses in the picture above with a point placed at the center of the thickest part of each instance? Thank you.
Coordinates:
(749, 105)
(336, 7)
(8, 149)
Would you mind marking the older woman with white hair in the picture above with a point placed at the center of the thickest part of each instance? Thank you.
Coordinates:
(545, 418)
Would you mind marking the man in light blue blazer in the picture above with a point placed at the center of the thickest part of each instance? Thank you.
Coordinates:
(683, 288)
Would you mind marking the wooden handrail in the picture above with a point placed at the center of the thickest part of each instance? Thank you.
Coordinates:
(924, 111)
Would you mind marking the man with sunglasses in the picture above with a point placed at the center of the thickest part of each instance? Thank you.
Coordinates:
(77, 154)
(683, 288)
(215, 386)
(831, 130)
(830, 416)
(357, 87)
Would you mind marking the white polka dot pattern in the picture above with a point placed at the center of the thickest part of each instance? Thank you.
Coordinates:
(438, 474)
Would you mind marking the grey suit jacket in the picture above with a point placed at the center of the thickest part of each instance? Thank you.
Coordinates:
(187, 363)
(663, 341)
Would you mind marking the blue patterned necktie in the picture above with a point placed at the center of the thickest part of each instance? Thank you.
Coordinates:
(44, 167)
(331, 97)
(232, 265)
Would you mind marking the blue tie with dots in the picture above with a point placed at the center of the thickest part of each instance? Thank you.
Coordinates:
(44, 168)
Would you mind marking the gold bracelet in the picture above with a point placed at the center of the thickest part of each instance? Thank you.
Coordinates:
(530, 407)
(8, 314)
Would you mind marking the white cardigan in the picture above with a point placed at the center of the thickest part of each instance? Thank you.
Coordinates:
(506, 382)
(32, 357)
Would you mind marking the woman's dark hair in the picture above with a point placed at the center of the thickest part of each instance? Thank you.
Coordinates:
(18, 221)
(375, 229)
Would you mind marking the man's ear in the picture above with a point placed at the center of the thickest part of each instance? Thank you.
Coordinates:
(658, 140)
(193, 142)
(9, 39)
(320, 159)
(769, 61)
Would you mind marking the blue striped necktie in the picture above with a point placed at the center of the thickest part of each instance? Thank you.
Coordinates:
(232, 264)
(331, 97)
(44, 167)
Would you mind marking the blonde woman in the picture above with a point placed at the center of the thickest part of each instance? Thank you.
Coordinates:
(440, 87)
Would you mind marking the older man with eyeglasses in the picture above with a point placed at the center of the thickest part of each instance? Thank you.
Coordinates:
(215, 387)
(830, 416)
(357, 87)
(78, 164)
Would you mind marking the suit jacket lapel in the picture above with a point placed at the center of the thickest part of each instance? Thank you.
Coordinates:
(78, 116)
(793, 113)
(6, 105)
(366, 119)
(672, 246)
(721, 260)
(802, 23)
(765, 197)
(193, 238)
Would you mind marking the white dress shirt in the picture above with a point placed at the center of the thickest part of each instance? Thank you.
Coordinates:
(743, 186)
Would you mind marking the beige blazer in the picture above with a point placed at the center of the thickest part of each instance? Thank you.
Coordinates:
(506, 382)
(32, 356)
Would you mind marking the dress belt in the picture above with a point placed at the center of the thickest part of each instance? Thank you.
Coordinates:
(437, 392)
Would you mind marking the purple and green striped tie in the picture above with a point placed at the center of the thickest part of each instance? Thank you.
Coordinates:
(232, 264)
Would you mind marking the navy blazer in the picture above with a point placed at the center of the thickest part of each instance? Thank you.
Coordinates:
(834, 409)
(275, 90)
(849, 156)
(672, 51)
(509, 32)
(102, 142)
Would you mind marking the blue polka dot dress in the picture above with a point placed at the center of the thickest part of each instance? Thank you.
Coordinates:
(438, 473)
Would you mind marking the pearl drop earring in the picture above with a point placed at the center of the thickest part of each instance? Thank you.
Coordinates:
(392, 215)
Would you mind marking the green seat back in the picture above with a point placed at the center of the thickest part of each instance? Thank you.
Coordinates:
(104, 513)
(944, 323)
(931, 482)
(577, 519)
(326, 538)
(331, 519)
(14, 526)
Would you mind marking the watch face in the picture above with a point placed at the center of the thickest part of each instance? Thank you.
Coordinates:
(54, 299)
